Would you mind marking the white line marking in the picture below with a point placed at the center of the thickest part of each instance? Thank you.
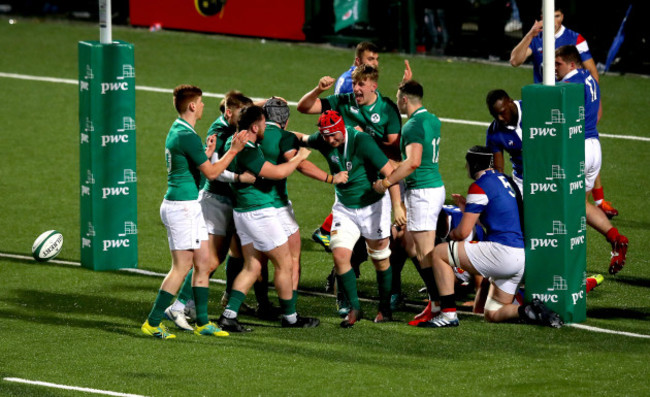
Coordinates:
(312, 293)
(608, 331)
(291, 103)
(75, 388)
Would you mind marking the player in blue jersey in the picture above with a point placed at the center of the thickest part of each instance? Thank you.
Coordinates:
(366, 53)
(504, 133)
(567, 69)
(531, 44)
(491, 199)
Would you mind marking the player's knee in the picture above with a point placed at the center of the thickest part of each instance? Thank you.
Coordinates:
(379, 254)
(491, 308)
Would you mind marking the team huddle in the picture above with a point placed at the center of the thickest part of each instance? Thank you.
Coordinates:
(227, 202)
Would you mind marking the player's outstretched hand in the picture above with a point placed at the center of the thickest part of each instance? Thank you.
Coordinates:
(325, 83)
(341, 177)
(303, 153)
(459, 200)
(247, 177)
(408, 74)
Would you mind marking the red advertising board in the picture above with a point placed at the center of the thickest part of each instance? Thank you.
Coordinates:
(279, 19)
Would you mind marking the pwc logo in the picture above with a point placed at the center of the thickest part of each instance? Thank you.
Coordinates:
(114, 86)
(542, 132)
(543, 187)
(107, 139)
(115, 191)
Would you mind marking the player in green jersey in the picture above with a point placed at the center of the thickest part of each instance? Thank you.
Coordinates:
(279, 146)
(425, 191)
(358, 210)
(365, 108)
(216, 203)
(181, 213)
(258, 227)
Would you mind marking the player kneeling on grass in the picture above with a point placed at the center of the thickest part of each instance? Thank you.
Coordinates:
(501, 257)
(182, 215)
(259, 226)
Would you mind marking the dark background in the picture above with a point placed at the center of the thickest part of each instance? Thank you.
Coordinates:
(475, 27)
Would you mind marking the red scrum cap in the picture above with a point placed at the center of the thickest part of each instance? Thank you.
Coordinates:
(330, 122)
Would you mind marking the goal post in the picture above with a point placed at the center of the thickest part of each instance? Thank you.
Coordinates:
(107, 151)
(554, 197)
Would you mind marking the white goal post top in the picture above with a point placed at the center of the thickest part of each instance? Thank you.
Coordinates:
(105, 26)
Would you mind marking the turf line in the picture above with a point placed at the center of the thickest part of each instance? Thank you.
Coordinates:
(75, 388)
(291, 103)
(312, 293)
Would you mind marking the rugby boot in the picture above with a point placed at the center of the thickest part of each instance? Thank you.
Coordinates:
(321, 238)
(178, 317)
(160, 331)
(442, 320)
(619, 250)
(231, 325)
(425, 315)
(607, 208)
(594, 281)
(301, 322)
(383, 317)
(536, 312)
(210, 329)
(352, 318)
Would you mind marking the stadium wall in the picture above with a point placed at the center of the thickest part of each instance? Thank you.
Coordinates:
(257, 18)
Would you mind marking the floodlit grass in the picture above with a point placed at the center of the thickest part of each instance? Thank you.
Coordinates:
(68, 325)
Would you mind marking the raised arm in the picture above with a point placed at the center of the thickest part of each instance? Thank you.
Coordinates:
(522, 50)
(310, 102)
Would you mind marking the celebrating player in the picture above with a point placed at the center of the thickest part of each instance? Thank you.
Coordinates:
(358, 209)
(259, 228)
(425, 192)
(182, 215)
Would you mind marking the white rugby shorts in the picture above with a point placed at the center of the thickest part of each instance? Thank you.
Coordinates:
(185, 224)
(217, 213)
(593, 161)
(288, 219)
(503, 264)
(261, 227)
(371, 222)
(423, 207)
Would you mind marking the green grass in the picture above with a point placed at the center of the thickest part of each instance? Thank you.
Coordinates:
(68, 325)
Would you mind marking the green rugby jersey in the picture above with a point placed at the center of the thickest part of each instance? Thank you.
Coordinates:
(223, 130)
(184, 152)
(423, 128)
(275, 144)
(250, 197)
(362, 158)
(379, 119)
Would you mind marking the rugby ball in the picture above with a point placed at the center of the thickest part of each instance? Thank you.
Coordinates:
(47, 246)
